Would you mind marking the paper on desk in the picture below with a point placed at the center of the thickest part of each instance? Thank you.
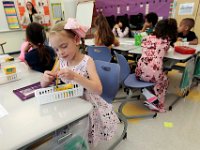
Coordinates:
(3, 111)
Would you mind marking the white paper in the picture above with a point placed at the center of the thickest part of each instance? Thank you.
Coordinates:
(3, 111)
(186, 9)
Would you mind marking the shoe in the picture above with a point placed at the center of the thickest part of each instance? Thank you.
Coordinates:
(151, 106)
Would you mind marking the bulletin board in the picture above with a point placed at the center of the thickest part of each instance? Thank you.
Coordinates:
(11, 14)
(42, 7)
(8, 21)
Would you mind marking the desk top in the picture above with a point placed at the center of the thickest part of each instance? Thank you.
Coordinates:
(126, 44)
(171, 54)
(28, 121)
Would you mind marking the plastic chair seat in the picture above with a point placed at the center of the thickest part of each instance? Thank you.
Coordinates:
(132, 82)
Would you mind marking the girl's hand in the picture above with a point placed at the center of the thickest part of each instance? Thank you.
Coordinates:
(27, 46)
(179, 39)
(116, 26)
(47, 78)
(67, 74)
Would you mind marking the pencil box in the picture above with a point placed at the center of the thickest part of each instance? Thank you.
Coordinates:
(184, 50)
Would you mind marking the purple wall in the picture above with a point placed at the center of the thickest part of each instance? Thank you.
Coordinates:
(109, 7)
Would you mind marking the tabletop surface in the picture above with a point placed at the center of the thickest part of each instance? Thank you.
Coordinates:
(28, 121)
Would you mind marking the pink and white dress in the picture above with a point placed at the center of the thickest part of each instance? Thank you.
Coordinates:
(103, 119)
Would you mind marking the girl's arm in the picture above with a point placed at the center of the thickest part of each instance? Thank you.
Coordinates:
(123, 34)
(93, 84)
(193, 42)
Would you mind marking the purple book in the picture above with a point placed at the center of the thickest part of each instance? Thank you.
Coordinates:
(27, 92)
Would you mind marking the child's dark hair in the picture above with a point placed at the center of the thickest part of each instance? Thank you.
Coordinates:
(33, 8)
(167, 29)
(105, 34)
(36, 35)
(125, 22)
(188, 22)
(152, 18)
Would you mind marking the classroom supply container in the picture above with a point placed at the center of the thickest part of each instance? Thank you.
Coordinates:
(9, 78)
(49, 95)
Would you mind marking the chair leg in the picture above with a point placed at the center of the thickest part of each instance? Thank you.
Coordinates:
(124, 133)
(153, 115)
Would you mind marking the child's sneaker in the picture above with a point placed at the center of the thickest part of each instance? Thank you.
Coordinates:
(161, 108)
(153, 106)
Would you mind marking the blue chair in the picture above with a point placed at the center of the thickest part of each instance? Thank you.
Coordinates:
(129, 81)
(109, 74)
(100, 53)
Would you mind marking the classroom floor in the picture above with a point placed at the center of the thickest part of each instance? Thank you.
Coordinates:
(178, 129)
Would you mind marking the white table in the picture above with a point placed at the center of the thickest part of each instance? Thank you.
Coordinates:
(126, 44)
(27, 121)
(171, 54)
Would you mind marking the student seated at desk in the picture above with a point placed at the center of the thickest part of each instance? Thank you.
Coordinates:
(76, 67)
(150, 65)
(121, 29)
(185, 35)
(151, 20)
(103, 35)
(41, 57)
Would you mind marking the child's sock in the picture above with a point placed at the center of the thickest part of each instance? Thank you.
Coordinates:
(149, 96)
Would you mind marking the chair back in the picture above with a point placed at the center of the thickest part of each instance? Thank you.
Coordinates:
(100, 53)
(124, 67)
(109, 74)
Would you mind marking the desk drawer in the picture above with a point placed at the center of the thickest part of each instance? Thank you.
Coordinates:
(70, 137)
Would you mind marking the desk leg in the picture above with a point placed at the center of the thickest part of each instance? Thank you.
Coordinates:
(186, 80)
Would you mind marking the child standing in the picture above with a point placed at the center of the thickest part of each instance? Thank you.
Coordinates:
(150, 65)
(151, 20)
(103, 35)
(184, 31)
(76, 67)
(41, 57)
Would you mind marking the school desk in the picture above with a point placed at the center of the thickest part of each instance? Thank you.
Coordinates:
(27, 121)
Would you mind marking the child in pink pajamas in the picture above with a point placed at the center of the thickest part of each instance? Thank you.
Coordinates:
(150, 65)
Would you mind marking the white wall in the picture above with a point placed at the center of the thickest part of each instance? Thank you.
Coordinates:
(14, 40)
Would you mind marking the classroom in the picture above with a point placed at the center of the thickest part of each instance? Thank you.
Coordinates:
(99, 74)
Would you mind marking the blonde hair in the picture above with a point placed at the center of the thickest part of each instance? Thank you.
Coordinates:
(60, 27)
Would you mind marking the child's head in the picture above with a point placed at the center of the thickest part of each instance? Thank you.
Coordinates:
(186, 25)
(35, 34)
(151, 19)
(166, 29)
(103, 31)
(65, 38)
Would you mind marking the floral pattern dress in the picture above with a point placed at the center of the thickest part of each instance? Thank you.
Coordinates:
(103, 119)
(150, 65)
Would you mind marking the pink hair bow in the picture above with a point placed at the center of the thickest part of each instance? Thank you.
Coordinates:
(72, 24)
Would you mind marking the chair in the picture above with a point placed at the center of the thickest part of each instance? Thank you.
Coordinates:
(109, 74)
(129, 81)
(100, 53)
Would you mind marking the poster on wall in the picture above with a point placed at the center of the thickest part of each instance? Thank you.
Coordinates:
(11, 14)
(42, 8)
(56, 11)
(186, 9)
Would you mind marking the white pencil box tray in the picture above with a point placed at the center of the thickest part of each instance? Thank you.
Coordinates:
(49, 95)
(9, 78)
